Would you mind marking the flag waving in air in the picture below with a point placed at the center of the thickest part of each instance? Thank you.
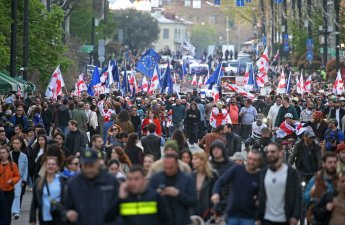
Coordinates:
(194, 82)
(144, 84)
(300, 85)
(282, 83)
(154, 84)
(201, 81)
(307, 84)
(338, 87)
(263, 66)
(148, 62)
(55, 85)
(288, 85)
(214, 78)
(188, 47)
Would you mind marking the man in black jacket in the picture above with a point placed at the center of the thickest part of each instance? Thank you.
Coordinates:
(139, 203)
(75, 140)
(152, 143)
(233, 141)
(177, 188)
(92, 196)
(280, 192)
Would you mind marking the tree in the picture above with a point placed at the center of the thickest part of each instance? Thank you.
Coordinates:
(202, 36)
(140, 29)
(5, 29)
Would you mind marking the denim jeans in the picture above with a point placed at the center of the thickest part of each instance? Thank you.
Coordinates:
(240, 221)
(16, 200)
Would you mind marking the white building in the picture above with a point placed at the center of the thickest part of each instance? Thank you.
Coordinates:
(172, 33)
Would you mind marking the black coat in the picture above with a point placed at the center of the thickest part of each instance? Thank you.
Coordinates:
(79, 143)
(321, 214)
(233, 143)
(298, 154)
(36, 203)
(293, 196)
(152, 145)
(179, 206)
(94, 200)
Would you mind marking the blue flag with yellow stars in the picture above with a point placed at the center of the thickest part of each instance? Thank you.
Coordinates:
(147, 62)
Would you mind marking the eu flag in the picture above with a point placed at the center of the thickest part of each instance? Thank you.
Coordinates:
(115, 71)
(125, 83)
(214, 78)
(183, 70)
(167, 81)
(147, 62)
(94, 81)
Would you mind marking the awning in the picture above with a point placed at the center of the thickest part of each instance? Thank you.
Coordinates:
(16, 82)
(11, 85)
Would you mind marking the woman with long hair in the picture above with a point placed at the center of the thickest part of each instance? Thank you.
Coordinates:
(192, 122)
(47, 195)
(9, 177)
(186, 157)
(134, 153)
(119, 154)
(151, 118)
(124, 121)
(179, 137)
(149, 159)
(35, 156)
(204, 178)
(114, 168)
(93, 121)
(19, 157)
(113, 136)
(59, 140)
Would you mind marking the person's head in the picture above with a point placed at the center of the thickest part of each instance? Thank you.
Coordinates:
(90, 164)
(274, 155)
(20, 110)
(133, 139)
(150, 114)
(286, 101)
(170, 162)
(247, 102)
(59, 139)
(178, 136)
(124, 137)
(253, 160)
(171, 147)
(265, 132)
(18, 129)
(238, 158)
(97, 142)
(193, 106)
(233, 100)
(200, 163)
(4, 153)
(72, 125)
(178, 101)
(17, 143)
(317, 116)
(37, 110)
(329, 163)
(119, 154)
(105, 106)
(333, 124)
(149, 159)
(217, 151)
(151, 128)
(134, 110)
(219, 129)
(288, 118)
(341, 152)
(136, 180)
(114, 130)
(336, 103)
(124, 116)
(227, 128)
(278, 100)
(65, 102)
(341, 183)
(87, 106)
(45, 105)
(113, 167)
(308, 137)
(186, 156)
(52, 165)
(72, 163)
(56, 130)
(310, 105)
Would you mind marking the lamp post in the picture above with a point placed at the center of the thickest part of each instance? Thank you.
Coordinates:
(337, 33)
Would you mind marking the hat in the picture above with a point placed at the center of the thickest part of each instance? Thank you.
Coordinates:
(340, 147)
(217, 144)
(288, 115)
(238, 156)
(309, 133)
(171, 144)
(89, 156)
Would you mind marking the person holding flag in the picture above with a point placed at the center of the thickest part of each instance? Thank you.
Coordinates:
(55, 85)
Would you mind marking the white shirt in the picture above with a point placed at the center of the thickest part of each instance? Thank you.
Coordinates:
(337, 117)
(272, 114)
(256, 130)
(275, 185)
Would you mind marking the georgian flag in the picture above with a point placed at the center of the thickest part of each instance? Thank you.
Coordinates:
(218, 118)
(215, 94)
(300, 85)
(338, 87)
(282, 82)
(55, 85)
(284, 130)
(307, 84)
(194, 81)
(144, 84)
(154, 82)
(246, 75)
(200, 82)
(239, 90)
(263, 65)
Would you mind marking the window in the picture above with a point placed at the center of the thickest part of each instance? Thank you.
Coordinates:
(187, 3)
(196, 4)
(165, 33)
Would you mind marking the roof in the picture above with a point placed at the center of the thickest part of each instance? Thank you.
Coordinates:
(120, 4)
(162, 19)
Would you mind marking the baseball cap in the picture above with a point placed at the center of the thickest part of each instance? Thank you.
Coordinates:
(89, 156)
(238, 156)
(309, 133)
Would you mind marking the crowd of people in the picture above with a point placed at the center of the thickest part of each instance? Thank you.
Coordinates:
(279, 161)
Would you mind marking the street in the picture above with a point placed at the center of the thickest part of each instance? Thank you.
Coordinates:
(24, 215)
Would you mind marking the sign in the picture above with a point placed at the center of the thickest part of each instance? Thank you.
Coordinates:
(217, 2)
(240, 3)
(310, 56)
(237, 80)
(86, 49)
(279, 1)
(310, 44)
(286, 47)
(264, 40)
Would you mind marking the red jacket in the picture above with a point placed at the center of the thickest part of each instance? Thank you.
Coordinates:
(146, 122)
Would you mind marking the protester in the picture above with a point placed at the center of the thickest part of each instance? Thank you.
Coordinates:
(94, 127)
(179, 137)
(79, 115)
(20, 118)
(341, 157)
(152, 142)
(273, 112)
(119, 154)
(134, 152)
(114, 168)
(72, 167)
(192, 121)
(148, 162)
(283, 110)
(75, 140)
(233, 141)
(151, 118)
(186, 157)
(216, 134)
(124, 122)
(63, 115)
(248, 114)
(333, 136)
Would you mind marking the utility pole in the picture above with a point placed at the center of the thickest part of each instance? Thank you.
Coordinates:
(299, 7)
(337, 33)
(325, 30)
(13, 58)
(92, 38)
(263, 26)
(227, 33)
(272, 26)
(26, 40)
(285, 16)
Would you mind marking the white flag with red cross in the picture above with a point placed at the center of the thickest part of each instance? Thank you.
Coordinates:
(55, 85)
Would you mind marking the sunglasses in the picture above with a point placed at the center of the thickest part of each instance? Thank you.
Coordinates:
(76, 164)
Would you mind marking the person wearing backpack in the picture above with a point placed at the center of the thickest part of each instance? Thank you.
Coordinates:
(63, 115)
(333, 136)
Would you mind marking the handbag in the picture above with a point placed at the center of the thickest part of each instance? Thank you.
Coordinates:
(56, 207)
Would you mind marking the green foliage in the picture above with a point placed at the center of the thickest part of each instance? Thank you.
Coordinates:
(81, 20)
(140, 29)
(202, 36)
(5, 29)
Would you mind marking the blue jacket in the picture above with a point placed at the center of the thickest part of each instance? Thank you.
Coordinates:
(179, 206)
(178, 113)
(25, 121)
(23, 166)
